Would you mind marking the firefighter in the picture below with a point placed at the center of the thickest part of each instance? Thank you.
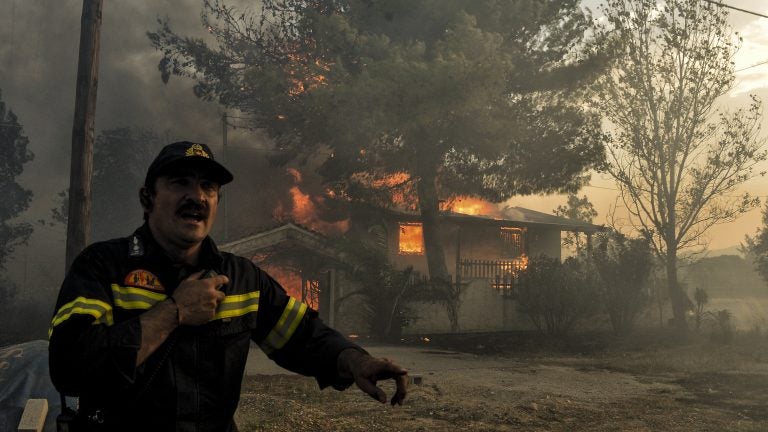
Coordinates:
(152, 331)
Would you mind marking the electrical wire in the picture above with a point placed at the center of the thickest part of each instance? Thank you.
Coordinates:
(735, 8)
(750, 67)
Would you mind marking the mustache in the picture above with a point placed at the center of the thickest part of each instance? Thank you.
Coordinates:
(193, 206)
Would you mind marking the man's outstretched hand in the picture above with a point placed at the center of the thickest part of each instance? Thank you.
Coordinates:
(367, 371)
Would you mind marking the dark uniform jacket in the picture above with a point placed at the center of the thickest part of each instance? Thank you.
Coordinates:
(192, 381)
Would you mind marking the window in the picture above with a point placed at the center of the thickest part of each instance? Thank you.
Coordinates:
(513, 242)
(411, 241)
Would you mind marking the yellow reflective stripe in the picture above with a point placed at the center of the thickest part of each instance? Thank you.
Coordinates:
(138, 291)
(295, 323)
(135, 298)
(100, 310)
(238, 305)
(292, 315)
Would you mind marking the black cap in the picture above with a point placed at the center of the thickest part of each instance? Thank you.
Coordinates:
(185, 153)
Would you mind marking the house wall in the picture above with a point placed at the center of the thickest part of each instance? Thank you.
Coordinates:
(349, 311)
(481, 242)
(544, 241)
(483, 309)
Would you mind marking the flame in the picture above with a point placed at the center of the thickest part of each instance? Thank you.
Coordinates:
(296, 174)
(474, 206)
(305, 212)
(302, 74)
(304, 209)
(515, 265)
(289, 280)
(378, 181)
(411, 239)
(398, 185)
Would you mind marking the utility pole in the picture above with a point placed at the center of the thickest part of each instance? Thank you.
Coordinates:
(81, 168)
(224, 159)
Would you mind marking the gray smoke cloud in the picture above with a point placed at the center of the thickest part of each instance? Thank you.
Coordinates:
(38, 64)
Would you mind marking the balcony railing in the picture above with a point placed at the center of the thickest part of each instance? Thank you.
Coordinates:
(500, 273)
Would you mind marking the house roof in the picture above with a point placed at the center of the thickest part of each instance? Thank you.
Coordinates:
(293, 234)
(517, 216)
(288, 233)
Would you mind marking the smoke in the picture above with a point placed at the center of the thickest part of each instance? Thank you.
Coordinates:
(38, 64)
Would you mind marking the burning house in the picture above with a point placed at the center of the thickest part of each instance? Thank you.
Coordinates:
(484, 249)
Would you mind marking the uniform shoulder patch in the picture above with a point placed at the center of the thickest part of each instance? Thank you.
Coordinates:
(144, 279)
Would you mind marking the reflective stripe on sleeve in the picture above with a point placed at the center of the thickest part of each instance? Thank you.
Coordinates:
(237, 305)
(100, 310)
(135, 298)
(292, 314)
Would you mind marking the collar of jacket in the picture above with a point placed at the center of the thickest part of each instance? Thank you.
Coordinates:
(141, 244)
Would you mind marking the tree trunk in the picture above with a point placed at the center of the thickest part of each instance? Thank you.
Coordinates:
(676, 295)
(430, 212)
(433, 248)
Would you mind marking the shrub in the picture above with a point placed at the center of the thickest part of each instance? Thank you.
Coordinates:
(623, 265)
(386, 292)
(556, 295)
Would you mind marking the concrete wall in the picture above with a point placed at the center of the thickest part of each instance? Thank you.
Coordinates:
(483, 309)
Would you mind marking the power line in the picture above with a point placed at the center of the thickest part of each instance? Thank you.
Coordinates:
(750, 67)
(735, 8)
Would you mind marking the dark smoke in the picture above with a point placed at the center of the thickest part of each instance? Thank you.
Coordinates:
(38, 63)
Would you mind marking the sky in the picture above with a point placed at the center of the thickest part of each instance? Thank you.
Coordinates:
(38, 62)
(602, 191)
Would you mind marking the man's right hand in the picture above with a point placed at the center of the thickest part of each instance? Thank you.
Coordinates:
(197, 299)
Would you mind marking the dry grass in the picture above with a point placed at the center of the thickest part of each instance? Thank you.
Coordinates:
(699, 386)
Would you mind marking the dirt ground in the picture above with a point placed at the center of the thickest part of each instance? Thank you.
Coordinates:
(514, 382)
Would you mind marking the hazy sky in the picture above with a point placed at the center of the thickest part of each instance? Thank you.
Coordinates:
(38, 62)
(754, 31)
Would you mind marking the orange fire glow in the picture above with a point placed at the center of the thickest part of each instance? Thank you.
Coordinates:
(411, 239)
(289, 280)
(515, 265)
(304, 209)
(474, 206)
(381, 181)
(396, 183)
(305, 212)
(303, 77)
(296, 174)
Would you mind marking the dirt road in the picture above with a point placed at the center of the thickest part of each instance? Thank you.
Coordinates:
(623, 391)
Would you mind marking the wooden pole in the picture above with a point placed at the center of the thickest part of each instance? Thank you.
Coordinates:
(81, 168)
(224, 127)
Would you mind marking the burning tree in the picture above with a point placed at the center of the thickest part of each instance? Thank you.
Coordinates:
(449, 97)
(676, 158)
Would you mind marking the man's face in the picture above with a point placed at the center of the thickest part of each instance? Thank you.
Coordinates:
(184, 208)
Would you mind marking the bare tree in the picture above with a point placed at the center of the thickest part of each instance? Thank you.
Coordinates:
(676, 157)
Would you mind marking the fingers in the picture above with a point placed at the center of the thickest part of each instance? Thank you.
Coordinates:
(375, 369)
(388, 369)
(369, 387)
(401, 381)
(197, 299)
(218, 280)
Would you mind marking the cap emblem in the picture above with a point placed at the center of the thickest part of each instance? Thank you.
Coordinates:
(196, 150)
